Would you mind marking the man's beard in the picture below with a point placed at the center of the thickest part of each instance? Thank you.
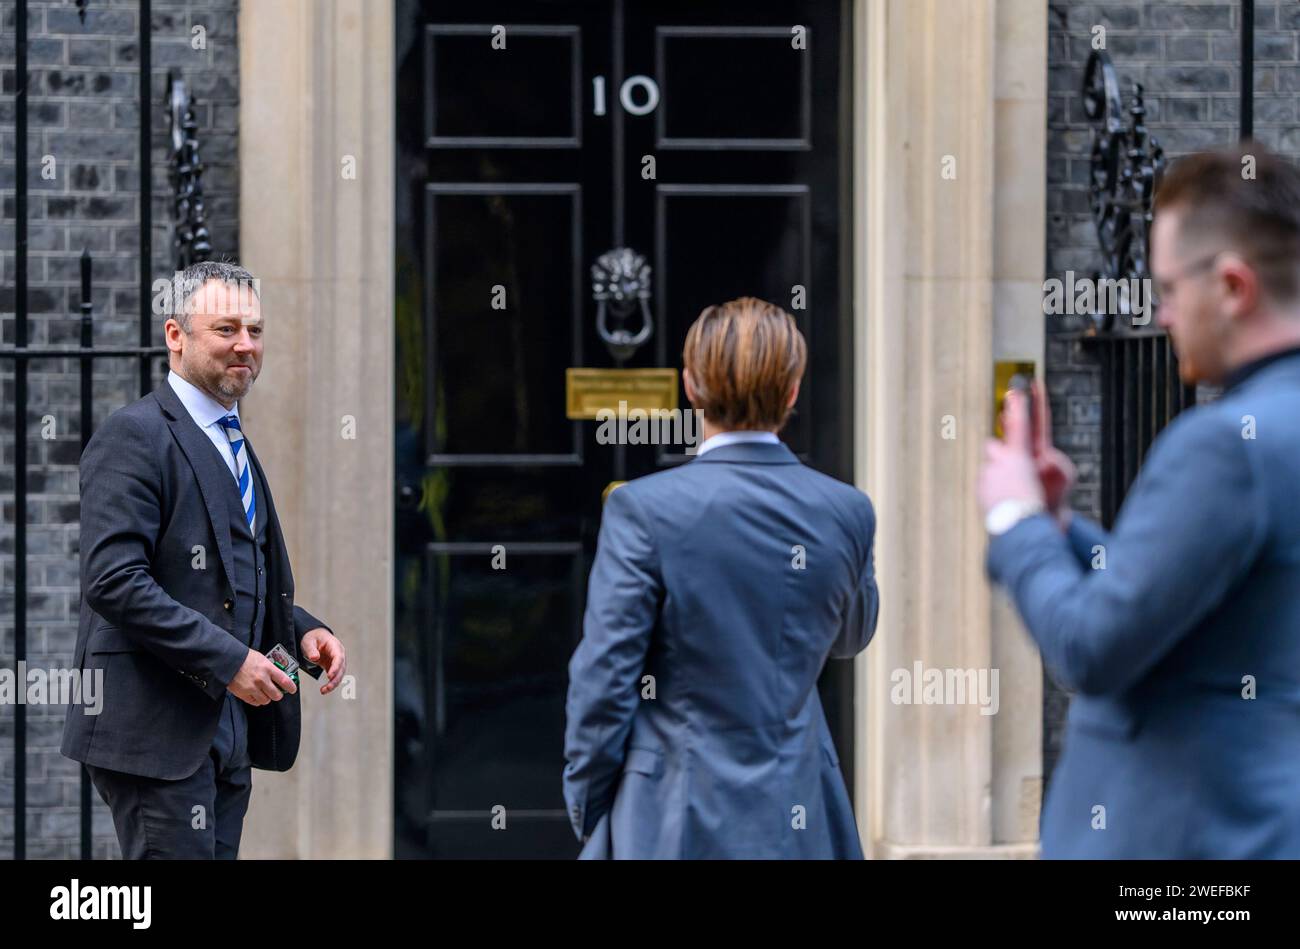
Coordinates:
(217, 380)
(235, 391)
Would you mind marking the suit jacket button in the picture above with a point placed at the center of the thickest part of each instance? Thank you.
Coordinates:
(229, 604)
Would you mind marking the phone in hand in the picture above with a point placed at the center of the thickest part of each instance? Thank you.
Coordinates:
(289, 665)
(1020, 383)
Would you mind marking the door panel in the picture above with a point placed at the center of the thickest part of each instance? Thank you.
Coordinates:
(496, 349)
(512, 180)
(732, 87)
(528, 98)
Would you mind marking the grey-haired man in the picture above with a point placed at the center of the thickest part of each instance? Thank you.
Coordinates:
(186, 586)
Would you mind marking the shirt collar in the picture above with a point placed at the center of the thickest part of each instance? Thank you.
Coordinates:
(734, 438)
(204, 409)
(1242, 373)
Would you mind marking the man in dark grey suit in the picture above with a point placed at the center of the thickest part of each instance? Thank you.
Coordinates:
(186, 585)
(1179, 631)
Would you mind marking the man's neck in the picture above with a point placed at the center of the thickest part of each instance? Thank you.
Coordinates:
(709, 430)
(1283, 334)
(214, 395)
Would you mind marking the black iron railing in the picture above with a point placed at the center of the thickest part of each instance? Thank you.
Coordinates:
(1141, 394)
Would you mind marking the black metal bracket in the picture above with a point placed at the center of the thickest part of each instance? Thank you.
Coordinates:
(191, 242)
(1126, 166)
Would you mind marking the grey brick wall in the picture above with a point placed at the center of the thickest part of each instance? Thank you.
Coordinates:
(1187, 57)
(84, 112)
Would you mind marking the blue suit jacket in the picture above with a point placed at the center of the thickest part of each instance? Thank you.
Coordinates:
(729, 581)
(1197, 603)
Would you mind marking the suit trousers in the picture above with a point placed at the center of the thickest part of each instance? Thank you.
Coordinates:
(200, 817)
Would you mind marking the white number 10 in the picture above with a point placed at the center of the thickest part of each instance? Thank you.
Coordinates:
(625, 95)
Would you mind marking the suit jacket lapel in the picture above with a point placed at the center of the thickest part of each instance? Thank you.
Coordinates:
(198, 450)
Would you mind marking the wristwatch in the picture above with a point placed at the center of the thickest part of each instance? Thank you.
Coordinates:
(1007, 514)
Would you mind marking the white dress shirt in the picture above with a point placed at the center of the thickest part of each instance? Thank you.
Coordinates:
(206, 411)
(734, 438)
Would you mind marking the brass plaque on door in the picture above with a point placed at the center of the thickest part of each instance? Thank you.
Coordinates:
(588, 391)
(1003, 373)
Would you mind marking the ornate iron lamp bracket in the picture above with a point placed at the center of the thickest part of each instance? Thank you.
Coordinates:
(192, 241)
(1125, 169)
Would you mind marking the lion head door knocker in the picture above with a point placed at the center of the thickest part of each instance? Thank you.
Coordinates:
(620, 285)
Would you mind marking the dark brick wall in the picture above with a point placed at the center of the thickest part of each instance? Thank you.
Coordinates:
(1187, 57)
(84, 111)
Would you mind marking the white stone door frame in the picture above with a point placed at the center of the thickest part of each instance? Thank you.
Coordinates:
(316, 152)
(950, 207)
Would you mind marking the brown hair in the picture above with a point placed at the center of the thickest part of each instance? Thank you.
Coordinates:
(1256, 216)
(745, 358)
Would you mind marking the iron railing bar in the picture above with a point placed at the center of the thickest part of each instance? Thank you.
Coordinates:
(1141, 397)
(20, 420)
(1130, 412)
(1169, 382)
(1107, 451)
(1159, 385)
(1149, 387)
(28, 353)
(146, 191)
(87, 421)
(1247, 69)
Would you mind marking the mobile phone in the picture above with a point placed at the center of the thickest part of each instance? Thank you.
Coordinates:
(289, 665)
(1021, 384)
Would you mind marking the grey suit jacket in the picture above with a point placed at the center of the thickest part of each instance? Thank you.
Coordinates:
(728, 582)
(159, 626)
(1180, 634)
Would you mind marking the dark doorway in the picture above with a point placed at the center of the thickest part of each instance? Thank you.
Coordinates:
(511, 181)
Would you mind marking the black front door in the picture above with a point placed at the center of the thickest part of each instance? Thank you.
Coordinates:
(710, 137)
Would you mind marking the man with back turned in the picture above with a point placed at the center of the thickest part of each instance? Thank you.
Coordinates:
(727, 583)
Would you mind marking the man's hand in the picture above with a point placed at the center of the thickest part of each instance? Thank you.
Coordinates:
(323, 648)
(1010, 472)
(260, 681)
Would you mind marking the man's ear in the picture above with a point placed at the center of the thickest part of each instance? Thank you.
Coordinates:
(794, 395)
(1241, 285)
(172, 334)
(691, 395)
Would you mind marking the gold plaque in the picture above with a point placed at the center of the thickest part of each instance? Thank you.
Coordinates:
(1002, 373)
(588, 391)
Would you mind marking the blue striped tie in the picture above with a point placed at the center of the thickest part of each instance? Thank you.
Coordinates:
(244, 477)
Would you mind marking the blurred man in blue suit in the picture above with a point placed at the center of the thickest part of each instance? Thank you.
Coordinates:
(1180, 630)
(718, 591)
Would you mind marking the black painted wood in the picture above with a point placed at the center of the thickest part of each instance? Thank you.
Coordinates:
(507, 177)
